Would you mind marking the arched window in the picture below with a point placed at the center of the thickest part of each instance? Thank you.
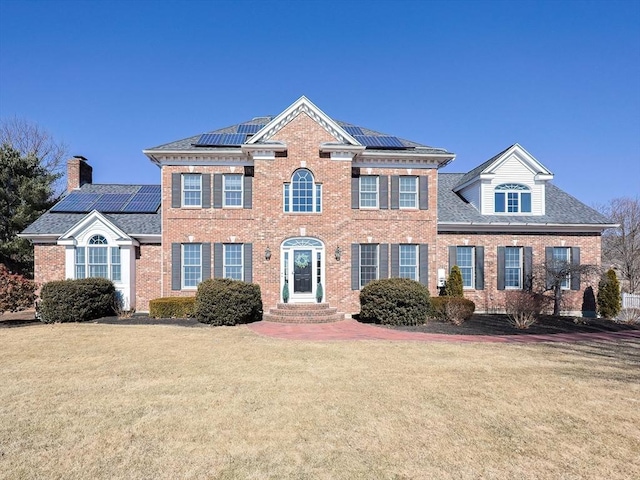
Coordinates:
(512, 198)
(302, 194)
(97, 259)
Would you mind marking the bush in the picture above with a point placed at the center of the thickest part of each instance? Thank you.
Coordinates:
(456, 310)
(394, 301)
(609, 298)
(629, 316)
(16, 292)
(221, 301)
(77, 300)
(523, 308)
(453, 286)
(172, 307)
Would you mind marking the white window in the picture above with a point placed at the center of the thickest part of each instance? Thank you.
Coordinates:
(408, 190)
(562, 258)
(97, 259)
(191, 190)
(466, 262)
(232, 266)
(408, 267)
(512, 198)
(369, 191)
(302, 194)
(191, 265)
(368, 263)
(513, 267)
(232, 190)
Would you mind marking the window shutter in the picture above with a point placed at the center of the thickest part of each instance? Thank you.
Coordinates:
(206, 261)
(218, 252)
(528, 268)
(424, 192)
(383, 191)
(248, 192)
(453, 257)
(501, 268)
(248, 262)
(479, 280)
(355, 266)
(395, 192)
(355, 193)
(548, 259)
(395, 256)
(176, 266)
(206, 190)
(176, 190)
(423, 273)
(575, 261)
(217, 190)
(383, 260)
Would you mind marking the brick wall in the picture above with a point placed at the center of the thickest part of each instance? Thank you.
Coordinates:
(48, 263)
(148, 282)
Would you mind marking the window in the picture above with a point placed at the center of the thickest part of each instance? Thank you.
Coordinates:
(97, 259)
(562, 257)
(368, 263)
(408, 262)
(191, 190)
(191, 265)
(115, 264)
(232, 190)
(408, 188)
(512, 198)
(80, 263)
(466, 262)
(302, 194)
(369, 192)
(513, 267)
(233, 261)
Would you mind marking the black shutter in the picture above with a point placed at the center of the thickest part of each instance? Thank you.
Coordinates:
(453, 257)
(217, 190)
(395, 192)
(424, 264)
(548, 259)
(176, 190)
(355, 192)
(575, 261)
(206, 190)
(176, 266)
(248, 262)
(395, 257)
(383, 265)
(528, 269)
(217, 260)
(248, 192)
(206, 261)
(355, 266)
(479, 280)
(424, 192)
(383, 188)
(500, 262)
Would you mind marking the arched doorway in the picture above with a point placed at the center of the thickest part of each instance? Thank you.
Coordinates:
(302, 268)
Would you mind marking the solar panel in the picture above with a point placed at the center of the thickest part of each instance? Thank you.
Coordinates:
(380, 141)
(143, 203)
(112, 202)
(249, 128)
(149, 189)
(218, 139)
(76, 202)
(351, 130)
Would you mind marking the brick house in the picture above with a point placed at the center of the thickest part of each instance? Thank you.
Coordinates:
(301, 200)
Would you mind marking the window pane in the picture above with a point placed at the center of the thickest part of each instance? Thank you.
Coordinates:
(318, 198)
(464, 257)
(192, 268)
(526, 202)
(408, 192)
(233, 261)
(287, 187)
(512, 201)
(302, 191)
(499, 202)
(115, 273)
(369, 191)
(80, 255)
(192, 190)
(512, 271)
(98, 255)
(233, 190)
(408, 262)
(368, 263)
(562, 255)
(80, 271)
(98, 271)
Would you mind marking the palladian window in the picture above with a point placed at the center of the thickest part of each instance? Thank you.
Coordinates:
(512, 198)
(302, 194)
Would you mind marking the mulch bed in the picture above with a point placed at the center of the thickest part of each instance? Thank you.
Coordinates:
(485, 324)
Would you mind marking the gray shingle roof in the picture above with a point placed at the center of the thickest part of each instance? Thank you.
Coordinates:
(561, 208)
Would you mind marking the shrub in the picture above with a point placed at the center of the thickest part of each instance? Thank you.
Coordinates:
(76, 300)
(16, 291)
(453, 286)
(394, 301)
(629, 316)
(172, 307)
(221, 301)
(609, 298)
(523, 308)
(456, 310)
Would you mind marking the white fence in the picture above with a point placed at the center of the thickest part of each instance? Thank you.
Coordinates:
(630, 301)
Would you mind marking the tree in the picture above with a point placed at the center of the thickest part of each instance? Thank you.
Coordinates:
(26, 192)
(454, 287)
(556, 272)
(621, 246)
(609, 299)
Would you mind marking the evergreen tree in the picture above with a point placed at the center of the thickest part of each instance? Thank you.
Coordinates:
(453, 286)
(609, 298)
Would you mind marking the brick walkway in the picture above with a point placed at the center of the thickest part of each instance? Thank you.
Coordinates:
(353, 330)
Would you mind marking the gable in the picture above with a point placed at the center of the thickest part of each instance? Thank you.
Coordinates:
(93, 224)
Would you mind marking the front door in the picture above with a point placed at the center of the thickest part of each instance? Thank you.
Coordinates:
(302, 268)
(302, 271)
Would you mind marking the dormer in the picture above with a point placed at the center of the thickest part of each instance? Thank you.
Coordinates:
(512, 183)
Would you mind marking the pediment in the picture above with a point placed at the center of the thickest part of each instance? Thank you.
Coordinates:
(94, 222)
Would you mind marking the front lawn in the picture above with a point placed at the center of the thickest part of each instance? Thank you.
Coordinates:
(133, 402)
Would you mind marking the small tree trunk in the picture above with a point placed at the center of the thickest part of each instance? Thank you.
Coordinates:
(557, 300)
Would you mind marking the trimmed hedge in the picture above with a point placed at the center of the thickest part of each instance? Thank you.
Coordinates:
(222, 301)
(172, 307)
(394, 301)
(77, 300)
(453, 309)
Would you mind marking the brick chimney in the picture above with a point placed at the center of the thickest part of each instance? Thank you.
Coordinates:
(79, 172)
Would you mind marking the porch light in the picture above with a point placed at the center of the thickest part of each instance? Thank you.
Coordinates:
(338, 253)
(267, 254)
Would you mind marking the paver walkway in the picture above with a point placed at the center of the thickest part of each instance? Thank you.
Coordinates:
(353, 330)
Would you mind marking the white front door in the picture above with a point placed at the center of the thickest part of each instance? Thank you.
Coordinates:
(302, 269)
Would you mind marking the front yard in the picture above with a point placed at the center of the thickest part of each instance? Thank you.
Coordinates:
(115, 401)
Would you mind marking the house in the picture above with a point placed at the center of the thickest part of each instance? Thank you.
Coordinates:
(302, 200)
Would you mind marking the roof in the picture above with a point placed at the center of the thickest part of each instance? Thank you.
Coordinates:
(480, 168)
(561, 208)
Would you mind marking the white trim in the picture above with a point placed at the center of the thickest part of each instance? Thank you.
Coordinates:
(444, 227)
(319, 247)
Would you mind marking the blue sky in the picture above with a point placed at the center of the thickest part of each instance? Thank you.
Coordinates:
(111, 78)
